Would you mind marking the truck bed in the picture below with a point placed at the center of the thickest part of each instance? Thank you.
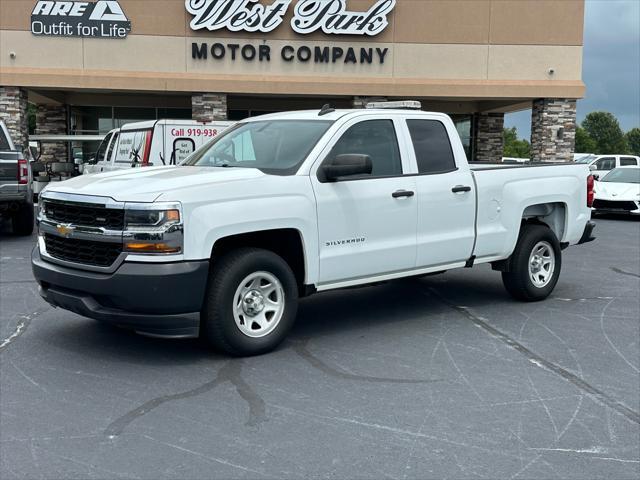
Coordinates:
(506, 192)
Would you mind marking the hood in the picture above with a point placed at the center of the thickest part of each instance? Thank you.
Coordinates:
(617, 191)
(148, 183)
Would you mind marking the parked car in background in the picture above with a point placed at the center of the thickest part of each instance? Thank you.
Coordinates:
(600, 165)
(579, 156)
(281, 206)
(618, 191)
(16, 195)
(152, 143)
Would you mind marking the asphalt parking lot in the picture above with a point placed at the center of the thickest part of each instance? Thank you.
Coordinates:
(443, 377)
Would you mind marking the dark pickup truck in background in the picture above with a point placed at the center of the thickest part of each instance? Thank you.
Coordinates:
(16, 194)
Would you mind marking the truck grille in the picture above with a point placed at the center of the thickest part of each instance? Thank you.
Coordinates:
(100, 254)
(614, 205)
(85, 215)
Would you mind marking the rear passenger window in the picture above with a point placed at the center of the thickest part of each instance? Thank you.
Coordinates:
(628, 161)
(376, 138)
(4, 142)
(432, 146)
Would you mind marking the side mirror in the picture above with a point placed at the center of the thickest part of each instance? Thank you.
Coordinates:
(346, 166)
(593, 168)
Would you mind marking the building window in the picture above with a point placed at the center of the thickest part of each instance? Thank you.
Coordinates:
(100, 120)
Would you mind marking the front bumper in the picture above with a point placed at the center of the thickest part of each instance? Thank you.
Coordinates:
(161, 299)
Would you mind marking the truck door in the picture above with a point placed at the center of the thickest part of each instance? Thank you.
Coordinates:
(367, 224)
(446, 195)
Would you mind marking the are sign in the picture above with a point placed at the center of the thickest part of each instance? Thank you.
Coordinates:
(328, 16)
(104, 19)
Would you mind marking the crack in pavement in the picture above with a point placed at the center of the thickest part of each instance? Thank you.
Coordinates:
(230, 372)
(21, 327)
(598, 395)
(623, 272)
(301, 348)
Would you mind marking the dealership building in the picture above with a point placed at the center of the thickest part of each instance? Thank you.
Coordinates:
(88, 67)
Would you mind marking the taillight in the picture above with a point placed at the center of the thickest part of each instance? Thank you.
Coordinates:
(23, 171)
(590, 192)
(147, 149)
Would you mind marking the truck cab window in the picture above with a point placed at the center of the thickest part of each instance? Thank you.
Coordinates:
(432, 146)
(112, 146)
(628, 161)
(102, 149)
(376, 138)
(606, 163)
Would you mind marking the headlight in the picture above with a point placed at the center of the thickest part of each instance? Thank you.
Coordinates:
(153, 228)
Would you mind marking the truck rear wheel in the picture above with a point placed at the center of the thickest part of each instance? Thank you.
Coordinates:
(251, 302)
(534, 266)
(22, 220)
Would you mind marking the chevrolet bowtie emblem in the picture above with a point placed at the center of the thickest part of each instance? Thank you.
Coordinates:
(65, 230)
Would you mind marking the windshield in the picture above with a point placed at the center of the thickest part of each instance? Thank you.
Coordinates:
(273, 146)
(586, 159)
(623, 175)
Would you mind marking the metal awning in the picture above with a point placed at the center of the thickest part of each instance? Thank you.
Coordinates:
(66, 138)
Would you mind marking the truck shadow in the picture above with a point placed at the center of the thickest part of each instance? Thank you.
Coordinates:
(352, 312)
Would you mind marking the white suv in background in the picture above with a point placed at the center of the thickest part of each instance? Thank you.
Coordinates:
(600, 165)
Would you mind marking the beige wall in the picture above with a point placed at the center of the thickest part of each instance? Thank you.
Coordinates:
(440, 48)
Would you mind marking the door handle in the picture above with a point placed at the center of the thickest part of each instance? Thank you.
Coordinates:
(461, 189)
(402, 194)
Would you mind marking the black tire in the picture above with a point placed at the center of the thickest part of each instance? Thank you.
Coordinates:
(217, 321)
(517, 280)
(22, 221)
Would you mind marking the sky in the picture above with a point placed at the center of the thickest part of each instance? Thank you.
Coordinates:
(611, 65)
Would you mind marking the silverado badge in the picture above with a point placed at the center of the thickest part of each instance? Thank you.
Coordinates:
(65, 230)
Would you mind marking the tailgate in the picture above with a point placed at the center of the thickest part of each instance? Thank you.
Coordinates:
(8, 167)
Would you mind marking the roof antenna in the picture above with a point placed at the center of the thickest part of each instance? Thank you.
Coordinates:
(326, 108)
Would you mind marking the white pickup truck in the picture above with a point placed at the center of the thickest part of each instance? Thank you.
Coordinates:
(285, 205)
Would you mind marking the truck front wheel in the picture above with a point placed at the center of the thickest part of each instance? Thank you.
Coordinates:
(251, 302)
(534, 267)
(22, 220)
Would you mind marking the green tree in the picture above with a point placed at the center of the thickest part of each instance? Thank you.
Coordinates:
(584, 142)
(633, 140)
(604, 128)
(513, 147)
(31, 118)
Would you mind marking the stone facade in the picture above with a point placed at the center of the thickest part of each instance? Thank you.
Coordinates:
(52, 120)
(489, 137)
(207, 107)
(553, 130)
(13, 112)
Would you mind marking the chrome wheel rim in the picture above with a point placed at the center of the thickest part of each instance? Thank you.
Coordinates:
(258, 304)
(542, 264)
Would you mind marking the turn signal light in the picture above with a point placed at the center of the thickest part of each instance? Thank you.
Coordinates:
(143, 247)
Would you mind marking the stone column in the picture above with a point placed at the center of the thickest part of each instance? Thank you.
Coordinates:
(13, 112)
(207, 107)
(52, 120)
(553, 130)
(489, 137)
